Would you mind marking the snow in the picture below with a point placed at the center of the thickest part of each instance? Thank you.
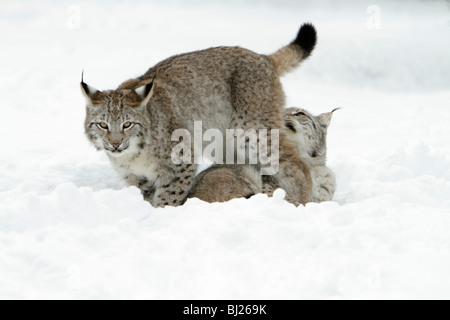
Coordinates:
(70, 228)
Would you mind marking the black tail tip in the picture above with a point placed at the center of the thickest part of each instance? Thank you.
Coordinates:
(306, 38)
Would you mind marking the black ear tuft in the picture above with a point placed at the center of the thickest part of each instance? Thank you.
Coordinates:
(306, 38)
(84, 85)
(85, 88)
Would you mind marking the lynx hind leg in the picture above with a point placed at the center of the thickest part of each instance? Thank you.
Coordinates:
(222, 183)
(259, 100)
(173, 185)
(293, 175)
(324, 184)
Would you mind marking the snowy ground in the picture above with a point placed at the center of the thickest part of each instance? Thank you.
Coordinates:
(69, 228)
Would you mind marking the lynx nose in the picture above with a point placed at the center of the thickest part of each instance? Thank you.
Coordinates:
(115, 145)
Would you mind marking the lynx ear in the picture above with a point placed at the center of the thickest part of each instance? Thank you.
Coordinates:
(145, 93)
(87, 90)
(325, 118)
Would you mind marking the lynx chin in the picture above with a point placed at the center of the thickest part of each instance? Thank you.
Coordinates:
(225, 88)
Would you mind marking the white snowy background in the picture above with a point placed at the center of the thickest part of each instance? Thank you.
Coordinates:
(69, 228)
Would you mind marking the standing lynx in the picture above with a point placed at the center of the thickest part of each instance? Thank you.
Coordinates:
(221, 183)
(224, 87)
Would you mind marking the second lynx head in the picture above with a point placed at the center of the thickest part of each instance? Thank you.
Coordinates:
(308, 133)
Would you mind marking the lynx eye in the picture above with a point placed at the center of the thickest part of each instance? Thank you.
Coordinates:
(127, 125)
(290, 126)
(103, 125)
(300, 113)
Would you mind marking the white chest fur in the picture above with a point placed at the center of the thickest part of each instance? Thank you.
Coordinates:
(141, 166)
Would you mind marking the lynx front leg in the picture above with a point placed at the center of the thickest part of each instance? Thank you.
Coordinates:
(269, 185)
(296, 181)
(147, 186)
(173, 185)
(324, 184)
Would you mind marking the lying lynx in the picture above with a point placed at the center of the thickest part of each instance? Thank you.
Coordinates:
(224, 87)
(309, 134)
(221, 183)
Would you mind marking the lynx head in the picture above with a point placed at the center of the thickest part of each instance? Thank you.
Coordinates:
(116, 120)
(308, 133)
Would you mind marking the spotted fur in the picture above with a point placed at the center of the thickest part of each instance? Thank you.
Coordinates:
(307, 132)
(224, 87)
